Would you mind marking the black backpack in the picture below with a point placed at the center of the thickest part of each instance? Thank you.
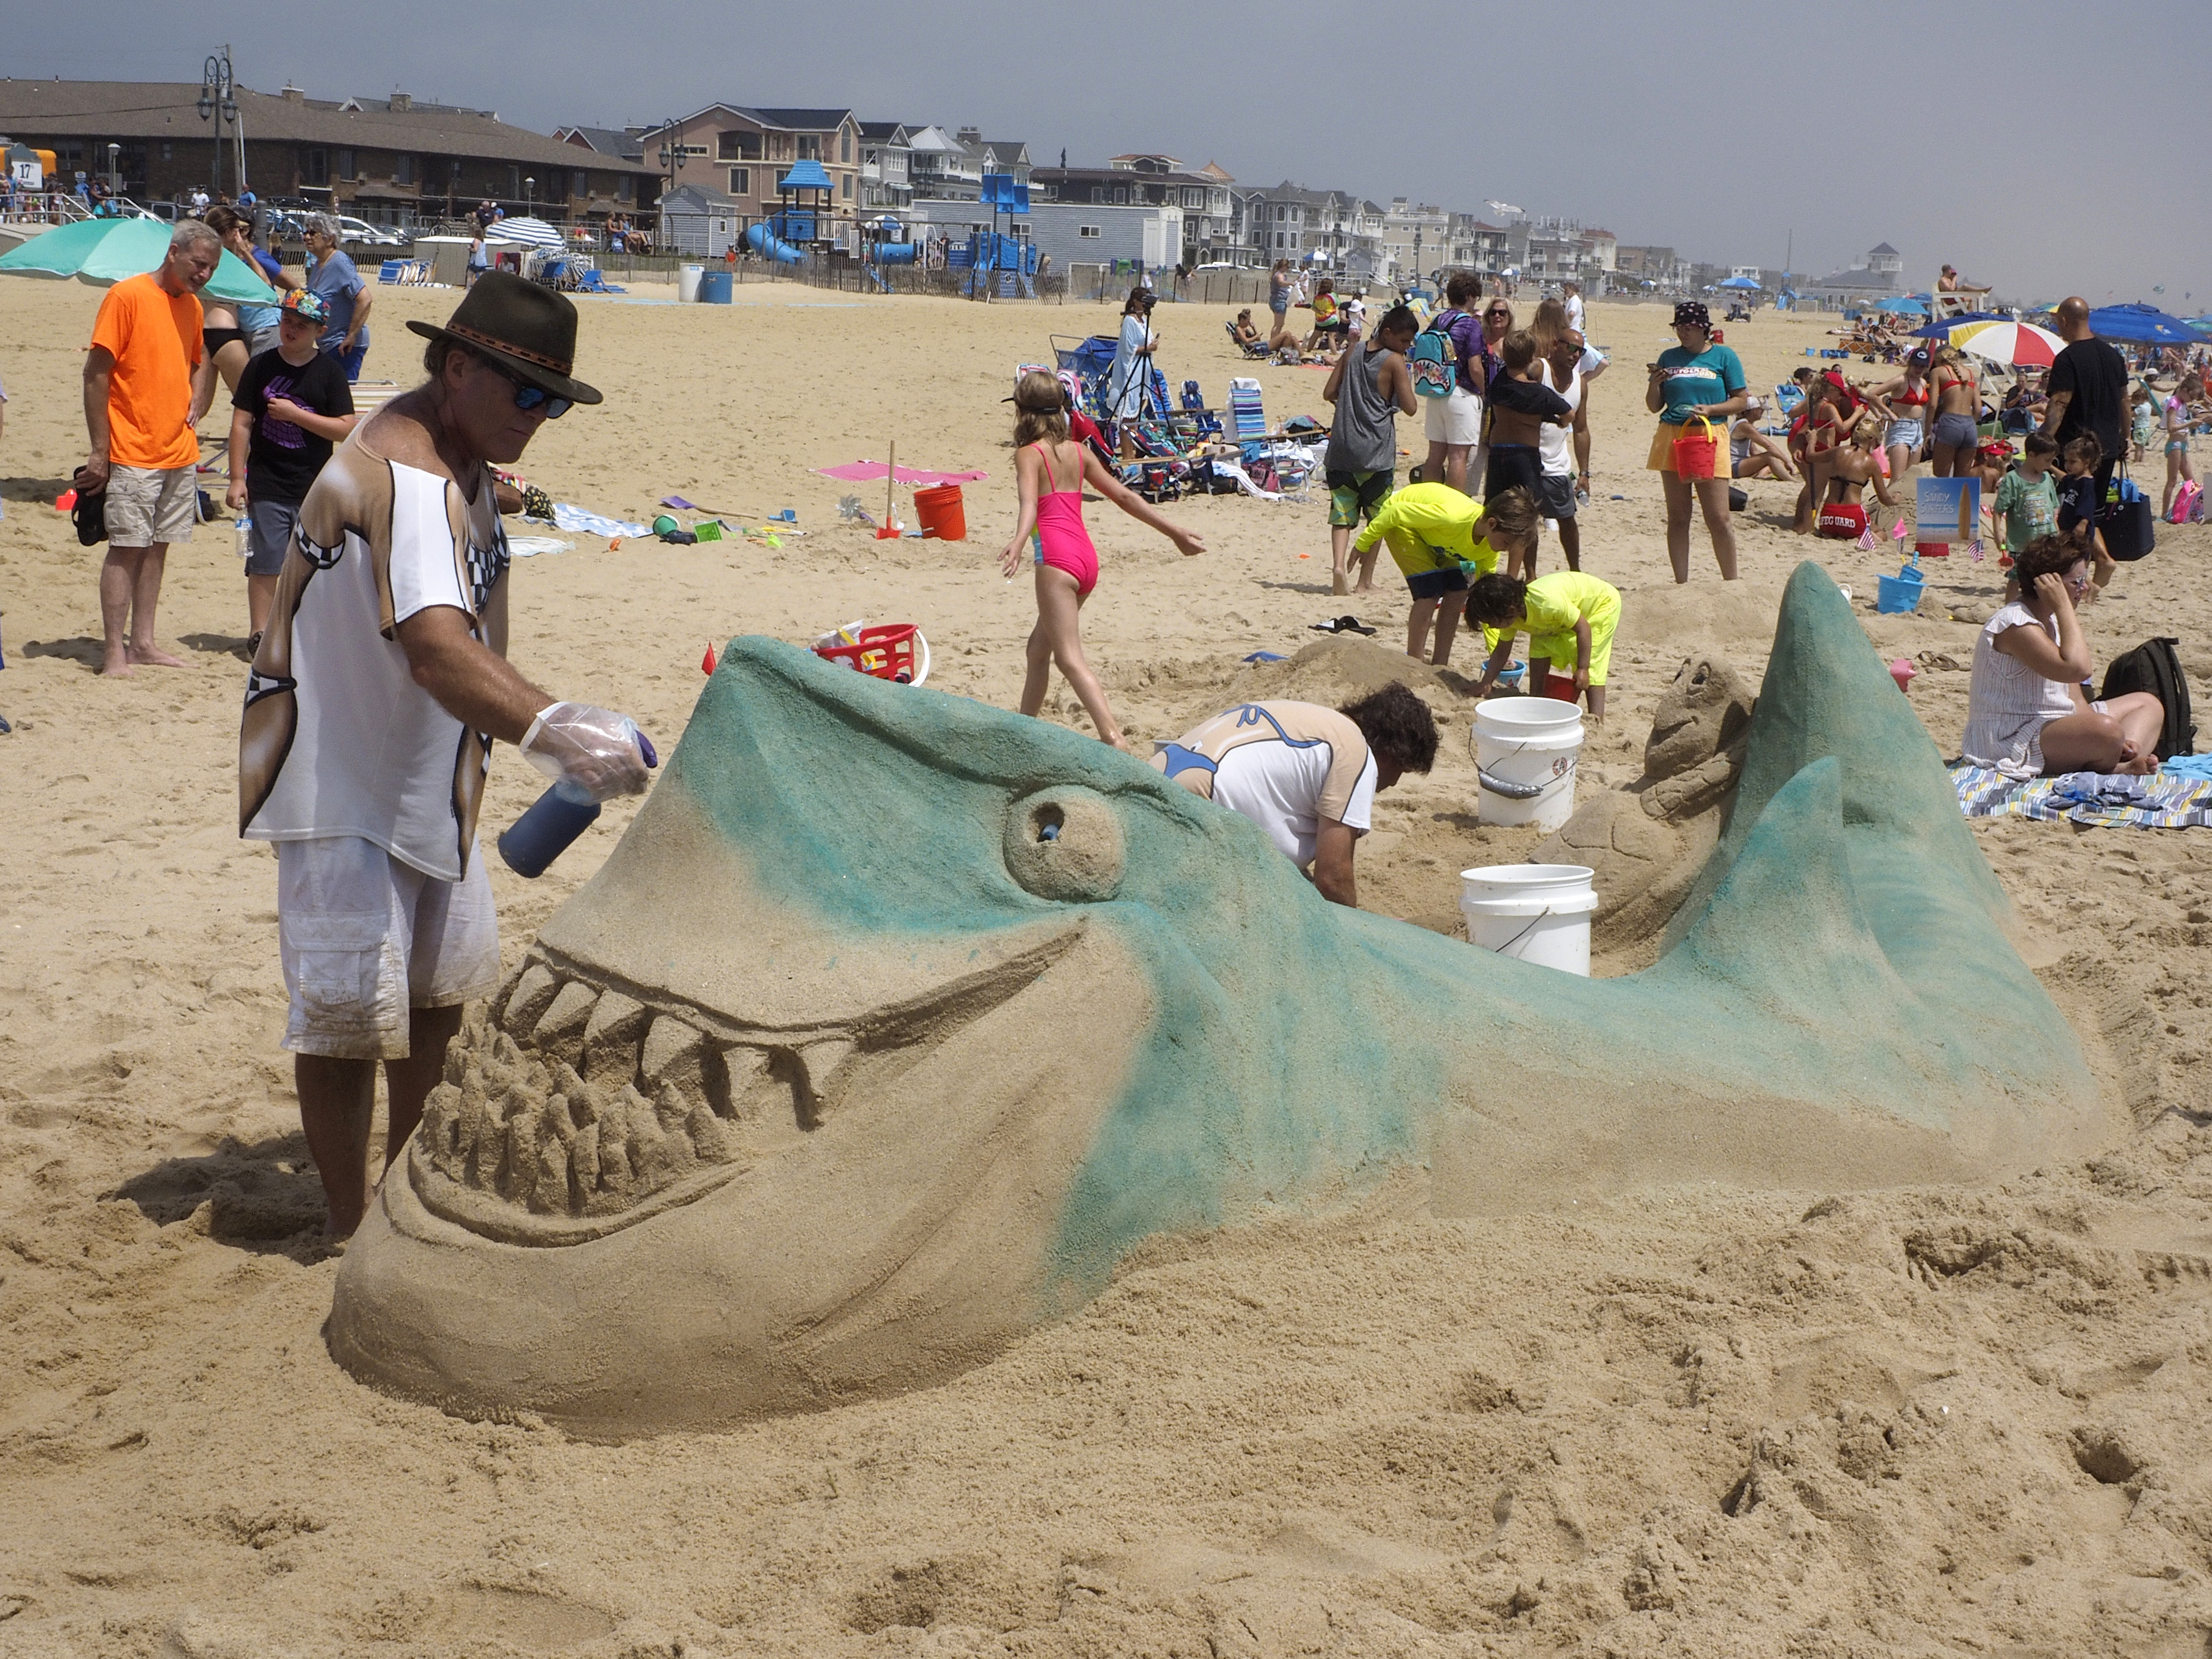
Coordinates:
(2154, 666)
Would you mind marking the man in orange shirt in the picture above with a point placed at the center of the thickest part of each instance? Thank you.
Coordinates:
(146, 382)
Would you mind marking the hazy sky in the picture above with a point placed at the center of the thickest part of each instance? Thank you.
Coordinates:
(2047, 147)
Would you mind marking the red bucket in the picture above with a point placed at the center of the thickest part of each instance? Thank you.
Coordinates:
(1695, 457)
(942, 515)
(886, 652)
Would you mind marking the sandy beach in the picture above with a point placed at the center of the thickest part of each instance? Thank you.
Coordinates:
(1699, 1421)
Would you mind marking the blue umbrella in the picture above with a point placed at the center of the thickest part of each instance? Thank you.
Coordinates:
(1740, 281)
(1903, 304)
(2142, 326)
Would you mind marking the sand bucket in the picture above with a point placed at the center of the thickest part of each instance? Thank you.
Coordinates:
(897, 652)
(1698, 457)
(1535, 912)
(1525, 749)
(940, 512)
(1895, 595)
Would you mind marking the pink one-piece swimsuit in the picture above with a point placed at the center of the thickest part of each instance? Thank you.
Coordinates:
(1064, 541)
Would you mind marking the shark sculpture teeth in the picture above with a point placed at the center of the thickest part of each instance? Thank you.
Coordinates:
(569, 1109)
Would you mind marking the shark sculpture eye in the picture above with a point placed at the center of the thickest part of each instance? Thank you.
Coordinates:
(1065, 844)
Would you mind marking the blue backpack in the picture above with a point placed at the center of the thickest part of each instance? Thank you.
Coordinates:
(1434, 358)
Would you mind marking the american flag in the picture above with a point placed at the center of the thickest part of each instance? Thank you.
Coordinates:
(1974, 547)
(1866, 539)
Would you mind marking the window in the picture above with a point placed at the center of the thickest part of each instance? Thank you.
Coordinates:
(346, 169)
(868, 158)
(741, 181)
(580, 183)
(514, 181)
(1086, 230)
(315, 166)
(846, 180)
(809, 147)
(737, 146)
(845, 146)
(169, 152)
(403, 169)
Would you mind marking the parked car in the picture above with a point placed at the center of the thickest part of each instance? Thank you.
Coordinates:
(360, 233)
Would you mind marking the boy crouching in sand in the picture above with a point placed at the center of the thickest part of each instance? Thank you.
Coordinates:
(1570, 616)
(1431, 531)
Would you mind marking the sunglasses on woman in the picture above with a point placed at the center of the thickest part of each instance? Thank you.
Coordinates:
(528, 397)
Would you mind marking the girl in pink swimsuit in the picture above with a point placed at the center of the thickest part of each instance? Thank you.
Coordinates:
(1067, 563)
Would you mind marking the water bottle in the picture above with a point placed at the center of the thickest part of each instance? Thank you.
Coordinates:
(560, 815)
(245, 536)
(554, 819)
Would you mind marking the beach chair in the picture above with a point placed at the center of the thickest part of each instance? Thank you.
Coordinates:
(1247, 420)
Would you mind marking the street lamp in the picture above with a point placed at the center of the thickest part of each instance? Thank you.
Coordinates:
(219, 103)
(115, 169)
(529, 191)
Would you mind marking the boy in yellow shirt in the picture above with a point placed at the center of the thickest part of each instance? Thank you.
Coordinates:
(1569, 616)
(1431, 529)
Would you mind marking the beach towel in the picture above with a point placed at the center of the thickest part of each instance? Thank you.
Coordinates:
(868, 472)
(2188, 766)
(581, 521)
(2164, 800)
(529, 547)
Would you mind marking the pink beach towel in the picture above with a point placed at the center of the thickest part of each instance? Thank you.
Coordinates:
(868, 472)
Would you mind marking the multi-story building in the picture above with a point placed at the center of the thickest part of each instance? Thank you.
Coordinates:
(1880, 276)
(1205, 198)
(390, 159)
(886, 165)
(742, 154)
(1416, 240)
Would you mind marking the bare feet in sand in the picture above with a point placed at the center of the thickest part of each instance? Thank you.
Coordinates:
(1338, 583)
(152, 656)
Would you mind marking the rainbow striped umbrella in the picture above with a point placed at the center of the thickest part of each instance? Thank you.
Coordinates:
(2022, 345)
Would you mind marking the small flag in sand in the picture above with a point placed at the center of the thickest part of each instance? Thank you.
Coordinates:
(1899, 531)
(1866, 539)
(1974, 547)
(707, 662)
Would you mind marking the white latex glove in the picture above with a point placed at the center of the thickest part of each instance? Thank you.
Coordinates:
(596, 750)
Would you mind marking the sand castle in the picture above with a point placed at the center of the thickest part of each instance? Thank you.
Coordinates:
(895, 1021)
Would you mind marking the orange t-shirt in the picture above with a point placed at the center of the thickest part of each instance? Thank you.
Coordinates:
(154, 338)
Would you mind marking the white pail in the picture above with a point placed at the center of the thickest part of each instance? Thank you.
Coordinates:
(1525, 749)
(1538, 913)
(687, 282)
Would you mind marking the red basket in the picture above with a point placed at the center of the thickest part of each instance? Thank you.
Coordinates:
(886, 652)
(1698, 457)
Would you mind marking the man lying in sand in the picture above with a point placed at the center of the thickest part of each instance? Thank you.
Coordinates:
(1307, 774)
(369, 718)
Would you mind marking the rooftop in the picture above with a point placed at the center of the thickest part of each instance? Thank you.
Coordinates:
(169, 109)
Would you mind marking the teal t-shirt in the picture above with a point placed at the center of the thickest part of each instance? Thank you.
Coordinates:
(2029, 510)
(1712, 376)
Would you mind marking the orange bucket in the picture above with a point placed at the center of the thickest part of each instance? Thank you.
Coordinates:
(943, 517)
(1695, 457)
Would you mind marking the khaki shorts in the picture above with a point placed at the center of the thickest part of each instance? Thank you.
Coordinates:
(146, 505)
(1456, 419)
(365, 939)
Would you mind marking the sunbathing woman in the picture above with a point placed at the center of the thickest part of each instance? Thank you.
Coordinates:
(1957, 393)
(2026, 714)
(1067, 563)
(1246, 334)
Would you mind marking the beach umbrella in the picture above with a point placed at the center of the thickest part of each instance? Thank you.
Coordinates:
(102, 252)
(1903, 305)
(2021, 344)
(1942, 330)
(533, 233)
(1740, 281)
(2142, 326)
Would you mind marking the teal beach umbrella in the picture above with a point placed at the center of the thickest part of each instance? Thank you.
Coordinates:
(104, 251)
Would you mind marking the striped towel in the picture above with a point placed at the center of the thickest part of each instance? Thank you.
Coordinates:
(2164, 800)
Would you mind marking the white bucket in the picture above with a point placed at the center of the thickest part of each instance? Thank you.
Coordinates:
(1525, 749)
(687, 282)
(1538, 913)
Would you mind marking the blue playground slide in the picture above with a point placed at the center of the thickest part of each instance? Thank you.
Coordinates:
(758, 238)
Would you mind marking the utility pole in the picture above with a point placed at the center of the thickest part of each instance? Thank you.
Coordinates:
(219, 103)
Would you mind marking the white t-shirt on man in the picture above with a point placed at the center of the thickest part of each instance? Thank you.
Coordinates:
(1289, 767)
(337, 739)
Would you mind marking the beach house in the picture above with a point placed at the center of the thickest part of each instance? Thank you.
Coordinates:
(390, 159)
(1206, 234)
(1880, 276)
(743, 154)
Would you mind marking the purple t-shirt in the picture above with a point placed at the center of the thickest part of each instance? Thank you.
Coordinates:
(1465, 332)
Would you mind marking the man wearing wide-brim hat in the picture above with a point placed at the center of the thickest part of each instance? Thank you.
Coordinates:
(370, 713)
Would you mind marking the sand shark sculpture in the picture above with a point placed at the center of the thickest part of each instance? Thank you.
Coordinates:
(895, 1020)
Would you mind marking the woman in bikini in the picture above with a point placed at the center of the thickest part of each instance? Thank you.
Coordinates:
(1050, 470)
(1905, 398)
(1957, 393)
(1852, 467)
(1832, 412)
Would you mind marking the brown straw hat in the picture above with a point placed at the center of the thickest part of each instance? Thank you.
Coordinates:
(528, 330)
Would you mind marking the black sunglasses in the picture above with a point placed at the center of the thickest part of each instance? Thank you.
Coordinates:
(528, 396)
